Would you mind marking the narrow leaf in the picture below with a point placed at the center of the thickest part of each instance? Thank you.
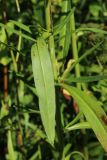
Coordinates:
(82, 125)
(21, 26)
(57, 28)
(64, 34)
(95, 30)
(44, 82)
(87, 53)
(17, 32)
(11, 47)
(85, 79)
(11, 152)
(93, 112)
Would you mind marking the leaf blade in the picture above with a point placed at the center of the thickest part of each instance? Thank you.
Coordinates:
(44, 82)
(93, 112)
(21, 26)
(17, 32)
(11, 152)
(85, 79)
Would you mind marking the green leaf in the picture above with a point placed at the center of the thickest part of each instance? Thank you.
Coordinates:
(57, 29)
(67, 148)
(44, 82)
(95, 9)
(76, 155)
(4, 60)
(87, 53)
(76, 119)
(2, 38)
(85, 79)
(82, 125)
(71, 66)
(11, 47)
(19, 33)
(33, 89)
(4, 110)
(93, 112)
(21, 26)
(91, 29)
(64, 34)
(11, 153)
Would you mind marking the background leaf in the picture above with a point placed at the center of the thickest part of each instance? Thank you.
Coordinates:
(93, 112)
(11, 152)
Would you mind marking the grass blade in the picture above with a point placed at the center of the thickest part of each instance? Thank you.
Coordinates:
(87, 53)
(44, 82)
(82, 125)
(21, 26)
(85, 79)
(57, 28)
(93, 112)
(64, 35)
(95, 30)
(11, 152)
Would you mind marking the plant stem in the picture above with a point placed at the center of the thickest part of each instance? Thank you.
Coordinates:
(74, 49)
(49, 27)
(51, 45)
(77, 72)
(17, 5)
(62, 37)
(5, 81)
(4, 18)
(18, 48)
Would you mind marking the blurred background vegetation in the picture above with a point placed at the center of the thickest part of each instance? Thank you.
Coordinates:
(20, 122)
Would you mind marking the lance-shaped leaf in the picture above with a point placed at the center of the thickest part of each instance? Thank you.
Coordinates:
(93, 112)
(11, 152)
(44, 82)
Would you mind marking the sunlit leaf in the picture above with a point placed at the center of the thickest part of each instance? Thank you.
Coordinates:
(82, 125)
(11, 152)
(44, 82)
(4, 110)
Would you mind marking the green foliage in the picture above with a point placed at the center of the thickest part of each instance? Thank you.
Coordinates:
(44, 82)
(53, 85)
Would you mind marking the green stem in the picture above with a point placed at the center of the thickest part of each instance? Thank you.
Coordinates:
(77, 70)
(14, 61)
(63, 37)
(17, 5)
(49, 27)
(74, 49)
(18, 48)
(51, 45)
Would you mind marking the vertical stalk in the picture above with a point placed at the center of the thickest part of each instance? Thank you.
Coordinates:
(17, 5)
(49, 27)
(5, 70)
(5, 81)
(63, 37)
(77, 72)
(74, 49)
